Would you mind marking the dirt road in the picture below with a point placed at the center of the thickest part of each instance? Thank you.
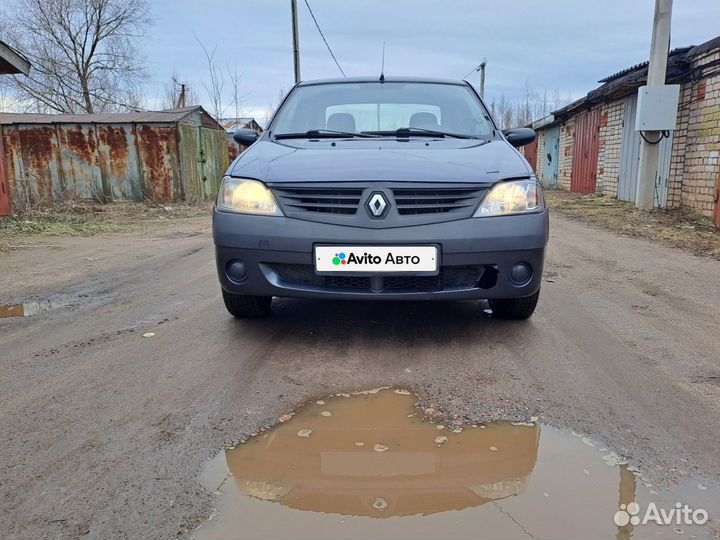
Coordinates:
(103, 431)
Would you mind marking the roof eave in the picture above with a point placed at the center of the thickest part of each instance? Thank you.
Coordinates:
(12, 62)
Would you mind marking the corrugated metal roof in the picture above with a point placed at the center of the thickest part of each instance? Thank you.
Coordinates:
(230, 124)
(542, 122)
(625, 71)
(569, 107)
(626, 81)
(705, 47)
(168, 116)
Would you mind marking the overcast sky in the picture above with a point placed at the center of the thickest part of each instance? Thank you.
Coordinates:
(554, 44)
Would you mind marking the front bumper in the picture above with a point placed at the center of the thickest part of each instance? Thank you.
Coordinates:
(476, 256)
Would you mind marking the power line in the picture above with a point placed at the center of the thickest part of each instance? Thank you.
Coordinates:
(323, 38)
(472, 70)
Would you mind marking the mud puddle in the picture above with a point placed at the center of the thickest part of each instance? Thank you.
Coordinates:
(369, 466)
(30, 308)
(37, 306)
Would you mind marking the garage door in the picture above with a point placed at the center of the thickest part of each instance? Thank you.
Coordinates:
(550, 157)
(585, 152)
(4, 188)
(717, 202)
(530, 151)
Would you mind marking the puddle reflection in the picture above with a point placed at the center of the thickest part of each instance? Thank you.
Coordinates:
(368, 466)
(337, 469)
(28, 309)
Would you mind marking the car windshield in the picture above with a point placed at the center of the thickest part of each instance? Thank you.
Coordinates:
(416, 109)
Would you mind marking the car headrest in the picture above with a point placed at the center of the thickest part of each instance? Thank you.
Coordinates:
(341, 122)
(424, 120)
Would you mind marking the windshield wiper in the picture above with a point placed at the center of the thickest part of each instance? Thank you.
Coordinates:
(323, 134)
(422, 132)
(416, 131)
(401, 132)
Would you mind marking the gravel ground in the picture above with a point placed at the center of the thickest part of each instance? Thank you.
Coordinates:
(103, 431)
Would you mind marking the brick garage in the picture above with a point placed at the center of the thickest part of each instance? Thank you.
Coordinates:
(608, 168)
(567, 137)
(696, 156)
(693, 161)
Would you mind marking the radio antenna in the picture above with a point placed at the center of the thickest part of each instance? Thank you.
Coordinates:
(382, 68)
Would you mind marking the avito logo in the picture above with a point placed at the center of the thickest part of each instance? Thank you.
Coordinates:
(367, 258)
(630, 514)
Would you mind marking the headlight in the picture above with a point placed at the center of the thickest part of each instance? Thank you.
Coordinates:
(513, 197)
(246, 196)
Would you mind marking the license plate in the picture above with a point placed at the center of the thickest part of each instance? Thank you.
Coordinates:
(376, 259)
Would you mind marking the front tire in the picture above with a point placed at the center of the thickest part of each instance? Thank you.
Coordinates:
(246, 306)
(514, 308)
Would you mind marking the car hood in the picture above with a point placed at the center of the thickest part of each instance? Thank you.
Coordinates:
(417, 160)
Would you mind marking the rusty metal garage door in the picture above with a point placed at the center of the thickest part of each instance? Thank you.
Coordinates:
(4, 188)
(717, 202)
(585, 152)
(530, 151)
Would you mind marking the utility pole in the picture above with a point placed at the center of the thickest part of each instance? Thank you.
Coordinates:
(182, 100)
(657, 67)
(296, 43)
(482, 78)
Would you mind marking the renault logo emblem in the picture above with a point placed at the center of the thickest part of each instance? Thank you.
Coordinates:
(377, 205)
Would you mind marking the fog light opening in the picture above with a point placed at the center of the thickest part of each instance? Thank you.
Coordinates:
(521, 274)
(236, 271)
(489, 278)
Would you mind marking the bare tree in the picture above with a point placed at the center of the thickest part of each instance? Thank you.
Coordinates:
(534, 105)
(5, 101)
(526, 108)
(503, 111)
(215, 82)
(238, 97)
(84, 53)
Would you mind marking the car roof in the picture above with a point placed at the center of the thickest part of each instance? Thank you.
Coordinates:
(387, 79)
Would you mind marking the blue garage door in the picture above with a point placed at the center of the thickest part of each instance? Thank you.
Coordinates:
(550, 156)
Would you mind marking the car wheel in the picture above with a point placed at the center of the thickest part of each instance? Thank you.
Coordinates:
(514, 308)
(246, 306)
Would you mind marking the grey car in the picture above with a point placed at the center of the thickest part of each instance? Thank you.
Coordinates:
(381, 189)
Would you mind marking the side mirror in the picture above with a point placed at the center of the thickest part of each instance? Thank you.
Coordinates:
(519, 136)
(245, 136)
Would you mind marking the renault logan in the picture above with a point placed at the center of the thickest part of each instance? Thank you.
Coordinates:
(381, 189)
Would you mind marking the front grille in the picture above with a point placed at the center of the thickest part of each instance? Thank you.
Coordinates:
(321, 200)
(436, 200)
(409, 203)
(449, 277)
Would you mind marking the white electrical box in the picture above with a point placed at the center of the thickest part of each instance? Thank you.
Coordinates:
(657, 107)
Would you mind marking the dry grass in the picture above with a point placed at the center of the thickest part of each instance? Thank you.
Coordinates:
(677, 227)
(85, 218)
